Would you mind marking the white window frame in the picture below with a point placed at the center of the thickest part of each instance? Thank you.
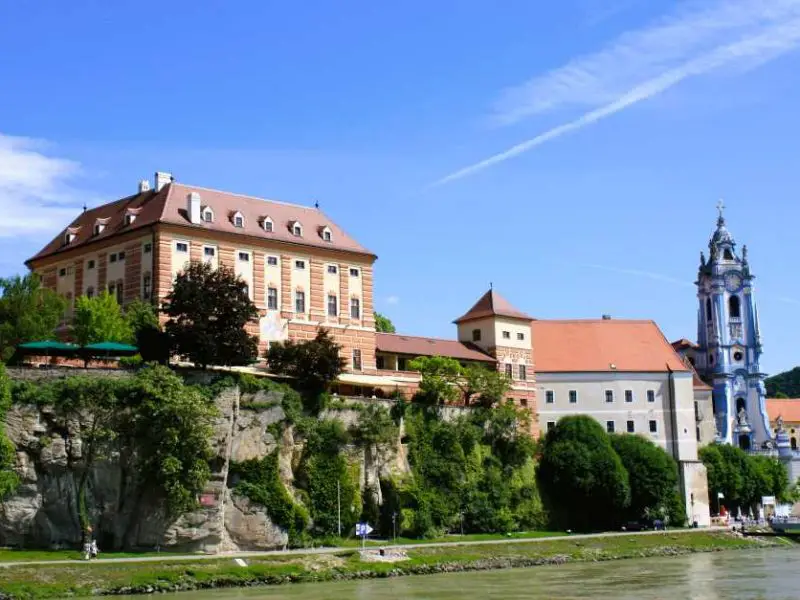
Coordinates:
(275, 263)
(297, 229)
(651, 395)
(335, 299)
(357, 306)
(243, 256)
(611, 427)
(506, 335)
(355, 272)
(236, 217)
(570, 395)
(185, 245)
(650, 426)
(520, 336)
(300, 264)
(333, 269)
(607, 392)
(549, 396)
(268, 225)
(207, 211)
(277, 298)
(300, 312)
(629, 394)
(630, 426)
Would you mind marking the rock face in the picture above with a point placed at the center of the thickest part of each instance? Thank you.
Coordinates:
(50, 464)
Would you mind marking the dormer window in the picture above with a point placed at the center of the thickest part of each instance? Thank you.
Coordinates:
(238, 219)
(296, 228)
(207, 215)
(267, 224)
(69, 237)
(326, 234)
(129, 219)
(98, 228)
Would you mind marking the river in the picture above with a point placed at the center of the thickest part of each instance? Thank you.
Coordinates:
(735, 575)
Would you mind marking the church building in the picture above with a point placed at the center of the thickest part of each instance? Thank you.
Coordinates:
(728, 348)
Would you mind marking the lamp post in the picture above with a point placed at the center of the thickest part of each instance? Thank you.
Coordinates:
(394, 526)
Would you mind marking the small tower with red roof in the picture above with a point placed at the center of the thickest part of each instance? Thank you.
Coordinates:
(504, 332)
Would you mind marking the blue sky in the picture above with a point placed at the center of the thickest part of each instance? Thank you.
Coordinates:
(635, 117)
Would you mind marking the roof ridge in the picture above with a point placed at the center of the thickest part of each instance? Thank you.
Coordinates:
(208, 189)
(592, 320)
(419, 337)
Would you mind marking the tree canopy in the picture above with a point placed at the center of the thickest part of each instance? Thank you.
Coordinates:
(784, 385)
(653, 478)
(100, 319)
(383, 324)
(208, 309)
(445, 380)
(583, 481)
(153, 343)
(742, 478)
(313, 364)
(28, 313)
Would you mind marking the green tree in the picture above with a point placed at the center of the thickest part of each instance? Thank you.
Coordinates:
(28, 313)
(583, 482)
(8, 477)
(487, 383)
(100, 319)
(653, 477)
(383, 324)
(173, 423)
(313, 364)
(208, 309)
(152, 341)
(441, 377)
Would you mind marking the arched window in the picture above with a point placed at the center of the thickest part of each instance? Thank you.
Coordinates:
(728, 254)
(708, 308)
(734, 307)
(740, 404)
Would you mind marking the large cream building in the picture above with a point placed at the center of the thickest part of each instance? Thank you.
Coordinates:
(304, 273)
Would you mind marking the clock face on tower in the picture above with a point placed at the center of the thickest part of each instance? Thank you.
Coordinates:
(733, 282)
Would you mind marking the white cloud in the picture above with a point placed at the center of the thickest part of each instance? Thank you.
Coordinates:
(392, 300)
(644, 63)
(35, 195)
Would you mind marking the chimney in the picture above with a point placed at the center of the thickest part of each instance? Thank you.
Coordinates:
(193, 208)
(144, 186)
(162, 179)
(606, 317)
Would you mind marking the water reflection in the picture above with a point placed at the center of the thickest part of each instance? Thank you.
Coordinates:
(706, 576)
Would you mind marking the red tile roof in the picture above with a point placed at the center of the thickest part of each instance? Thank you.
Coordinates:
(254, 210)
(423, 346)
(788, 408)
(147, 205)
(683, 343)
(170, 206)
(602, 345)
(492, 304)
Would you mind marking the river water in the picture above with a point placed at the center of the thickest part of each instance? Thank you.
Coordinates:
(772, 574)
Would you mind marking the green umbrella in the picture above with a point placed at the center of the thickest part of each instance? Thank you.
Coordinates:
(111, 348)
(47, 348)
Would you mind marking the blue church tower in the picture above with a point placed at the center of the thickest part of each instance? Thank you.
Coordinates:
(729, 342)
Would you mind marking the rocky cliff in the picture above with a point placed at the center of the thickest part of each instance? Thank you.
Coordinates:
(43, 511)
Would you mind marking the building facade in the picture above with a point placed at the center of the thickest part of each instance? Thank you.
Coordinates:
(303, 272)
(729, 347)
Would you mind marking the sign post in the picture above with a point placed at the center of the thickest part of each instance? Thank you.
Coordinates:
(363, 529)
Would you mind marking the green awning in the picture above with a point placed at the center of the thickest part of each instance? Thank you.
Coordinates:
(47, 346)
(111, 348)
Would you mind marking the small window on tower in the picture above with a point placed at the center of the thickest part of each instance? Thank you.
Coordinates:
(738, 356)
(728, 254)
(708, 308)
(734, 307)
(476, 335)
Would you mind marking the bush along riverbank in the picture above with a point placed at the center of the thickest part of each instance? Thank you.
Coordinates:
(34, 582)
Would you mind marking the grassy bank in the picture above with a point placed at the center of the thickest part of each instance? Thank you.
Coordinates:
(56, 581)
